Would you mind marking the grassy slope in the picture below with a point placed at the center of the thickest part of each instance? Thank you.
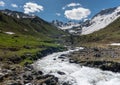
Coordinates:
(34, 27)
(109, 34)
(31, 36)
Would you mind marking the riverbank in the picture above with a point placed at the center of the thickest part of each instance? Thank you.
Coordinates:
(20, 72)
(65, 68)
(104, 58)
(18, 75)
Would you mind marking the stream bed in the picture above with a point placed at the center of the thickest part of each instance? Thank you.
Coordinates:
(58, 64)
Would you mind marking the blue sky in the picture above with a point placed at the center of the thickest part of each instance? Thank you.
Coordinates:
(63, 10)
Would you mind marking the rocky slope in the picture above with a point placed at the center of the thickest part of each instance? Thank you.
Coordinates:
(70, 27)
(65, 26)
(17, 75)
(103, 58)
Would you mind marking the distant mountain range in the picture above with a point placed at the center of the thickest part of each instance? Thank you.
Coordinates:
(16, 14)
(99, 21)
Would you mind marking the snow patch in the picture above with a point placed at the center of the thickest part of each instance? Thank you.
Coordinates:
(115, 44)
(18, 16)
(10, 33)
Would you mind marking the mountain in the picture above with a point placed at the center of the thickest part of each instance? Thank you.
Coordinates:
(16, 14)
(110, 34)
(99, 21)
(65, 26)
(26, 24)
(70, 27)
(26, 34)
(57, 23)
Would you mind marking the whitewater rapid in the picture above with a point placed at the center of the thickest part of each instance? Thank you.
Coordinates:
(74, 74)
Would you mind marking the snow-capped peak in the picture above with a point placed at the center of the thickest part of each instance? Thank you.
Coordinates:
(101, 20)
(71, 27)
(65, 26)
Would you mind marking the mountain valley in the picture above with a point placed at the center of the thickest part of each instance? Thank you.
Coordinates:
(36, 52)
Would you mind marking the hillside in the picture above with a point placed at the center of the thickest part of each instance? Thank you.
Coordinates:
(28, 26)
(29, 35)
(109, 34)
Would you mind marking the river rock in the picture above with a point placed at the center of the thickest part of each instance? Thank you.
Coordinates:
(1, 76)
(71, 61)
(40, 72)
(61, 73)
(61, 57)
(27, 76)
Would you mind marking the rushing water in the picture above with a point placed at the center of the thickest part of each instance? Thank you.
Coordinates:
(74, 73)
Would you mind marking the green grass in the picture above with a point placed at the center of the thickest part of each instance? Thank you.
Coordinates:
(31, 36)
(26, 61)
(9, 41)
(15, 47)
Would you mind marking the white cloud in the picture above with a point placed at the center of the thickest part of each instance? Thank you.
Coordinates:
(2, 3)
(77, 13)
(58, 14)
(30, 7)
(14, 5)
(71, 5)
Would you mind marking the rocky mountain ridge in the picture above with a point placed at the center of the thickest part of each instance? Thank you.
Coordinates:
(16, 14)
(99, 21)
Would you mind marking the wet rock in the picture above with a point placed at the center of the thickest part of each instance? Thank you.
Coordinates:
(1, 58)
(12, 82)
(71, 61)
(28, 67)
(95, 49)
(61, 57)
(40, 72)
(1, 77)
(13, 69)
(27, 81)
(39, 77)
(61, 73)
(54, 59)
(27, 76)
(34, 73)
(65, 83)
(64, 54)
(97, 55)
(52, 81)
